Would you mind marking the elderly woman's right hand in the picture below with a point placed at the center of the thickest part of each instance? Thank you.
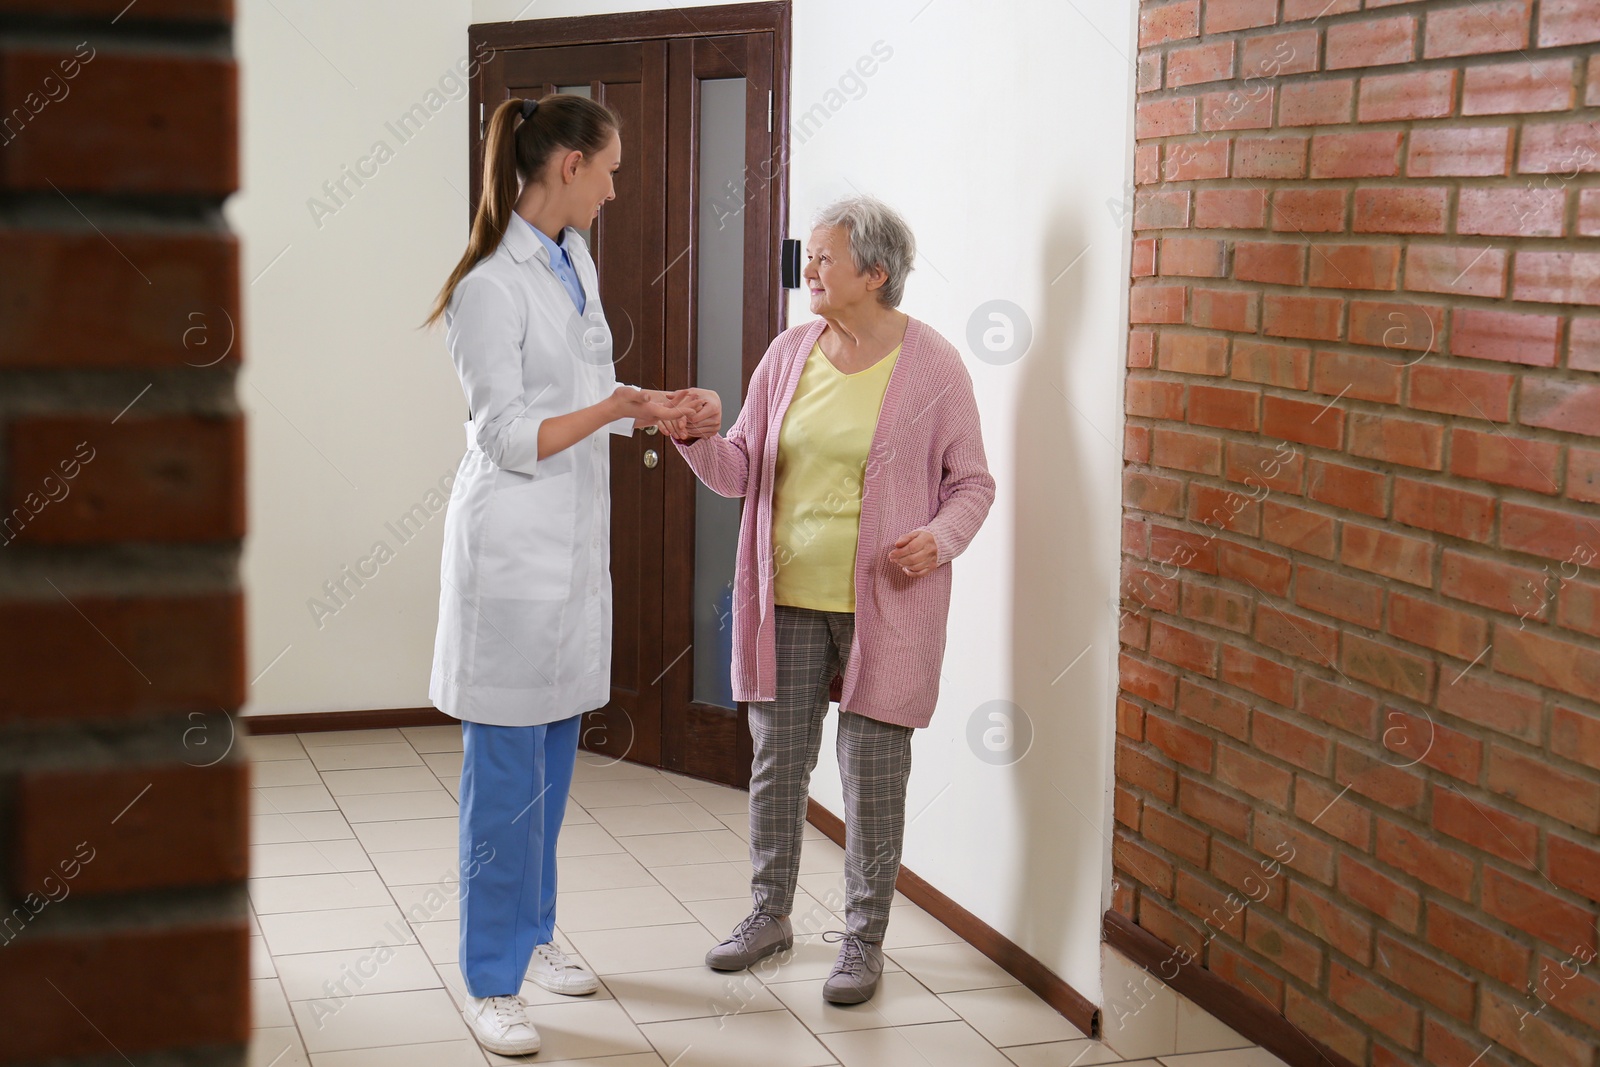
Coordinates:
(706, 421)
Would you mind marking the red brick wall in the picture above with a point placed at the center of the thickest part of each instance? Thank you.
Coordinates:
(123, 800)
(1361, 545)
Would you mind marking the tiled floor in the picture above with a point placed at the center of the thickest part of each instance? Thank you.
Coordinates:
(354, 916)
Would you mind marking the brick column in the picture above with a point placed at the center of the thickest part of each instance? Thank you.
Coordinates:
(123, 795)
(1358, 763)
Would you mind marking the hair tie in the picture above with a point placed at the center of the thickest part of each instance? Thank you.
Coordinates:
(528, 108)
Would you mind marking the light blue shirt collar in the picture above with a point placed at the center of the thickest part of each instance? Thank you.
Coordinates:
(558, 251)
(561, 263)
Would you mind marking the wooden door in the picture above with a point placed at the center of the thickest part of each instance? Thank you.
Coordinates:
(684, 310)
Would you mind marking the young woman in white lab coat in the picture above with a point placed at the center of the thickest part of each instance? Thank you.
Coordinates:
(524, 638)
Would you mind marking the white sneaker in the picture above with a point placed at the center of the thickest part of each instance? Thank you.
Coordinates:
(558, 972)
(501, 1025)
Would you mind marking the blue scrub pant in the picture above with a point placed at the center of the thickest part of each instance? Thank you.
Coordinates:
(514, 783)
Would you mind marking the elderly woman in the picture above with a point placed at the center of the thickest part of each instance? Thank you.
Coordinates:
(858, 450)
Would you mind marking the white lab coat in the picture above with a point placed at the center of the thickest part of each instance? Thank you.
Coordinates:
(525, 593)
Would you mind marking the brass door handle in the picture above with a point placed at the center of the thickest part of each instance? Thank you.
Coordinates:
(651, 458)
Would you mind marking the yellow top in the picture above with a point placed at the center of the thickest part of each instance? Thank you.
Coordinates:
(816, 497)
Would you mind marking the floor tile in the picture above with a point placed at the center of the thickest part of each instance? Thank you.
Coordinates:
(628, 819)
(951, 967)
(575, 815)
(1082, 1052)
(705, 881)
(820, 857)
(436, 902)
(287, 799)
(737, 823)
(299, 826)
(426, 1015)
(417, 865)
(900, 1001)
(705, 846)
(717, 799)
(719, 916)
(911, 927)
(1252, 1056)
(943, 1044)
(610, 871)
(325, 931)
(689, 993)
(259, 748)
(591, 767)
(433, 738)
(387, 966)
(378, 780)
(440, 940)
(606, 909)
(444, 764)
(407, 834)
(307, 857)
(810, 917)
(1200, 1031)
(463, 1052)
(585, 839)
(768, 1038)
(1139, 1013)
(1011, 1015)
(433, 802)
(318, 892)
(644, 948)
(276, 1046)
(275, 773)
(261, 965)
(636, 1059)
(358, 757)
(323, 738)
(626, 791)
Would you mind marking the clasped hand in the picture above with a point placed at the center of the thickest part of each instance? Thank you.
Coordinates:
(682, 413)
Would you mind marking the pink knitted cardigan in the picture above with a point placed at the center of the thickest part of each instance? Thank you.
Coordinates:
(926, 471)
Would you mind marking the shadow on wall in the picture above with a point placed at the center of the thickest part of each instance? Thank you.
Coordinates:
(1058, 606)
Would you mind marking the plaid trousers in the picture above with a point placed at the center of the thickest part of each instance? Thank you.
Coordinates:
(874, 763)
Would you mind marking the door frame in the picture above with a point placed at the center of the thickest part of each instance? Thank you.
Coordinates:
(767, 16)
(686, 725)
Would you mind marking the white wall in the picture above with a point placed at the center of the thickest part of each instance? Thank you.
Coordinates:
(1008, 184)
(354, 414)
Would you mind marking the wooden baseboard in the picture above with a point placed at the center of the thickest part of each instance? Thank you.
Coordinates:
(319, 721)
(1074, 1006)
(1251, 1016)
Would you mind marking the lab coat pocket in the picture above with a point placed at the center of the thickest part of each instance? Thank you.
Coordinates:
(528, 537)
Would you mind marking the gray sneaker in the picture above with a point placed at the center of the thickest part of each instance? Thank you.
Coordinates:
(856, 971)
(754, 939)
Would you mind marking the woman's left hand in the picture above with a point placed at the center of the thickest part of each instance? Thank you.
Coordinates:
(916, 553)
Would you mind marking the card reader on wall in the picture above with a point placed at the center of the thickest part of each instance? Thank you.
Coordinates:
(791, 263)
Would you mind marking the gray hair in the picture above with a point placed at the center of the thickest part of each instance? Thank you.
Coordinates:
(879, 237)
